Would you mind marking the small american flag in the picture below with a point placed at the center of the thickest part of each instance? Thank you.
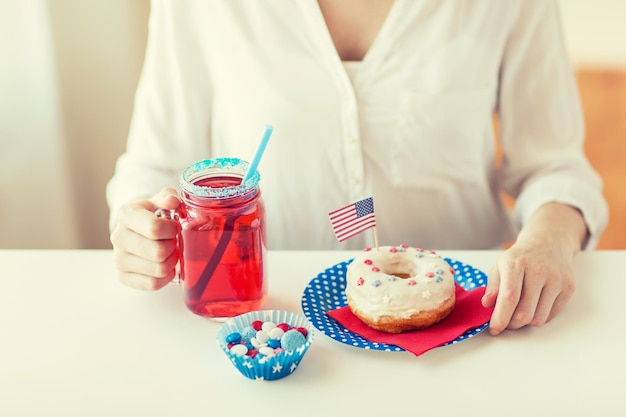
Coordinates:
(353, 219)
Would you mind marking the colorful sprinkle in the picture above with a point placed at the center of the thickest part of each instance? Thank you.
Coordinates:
(412, 282)
(360, 281)
(393, 249)
(391, 278)
(430, 275)
(426, 294)
(368, 262)
(376, 269)
(376, 283)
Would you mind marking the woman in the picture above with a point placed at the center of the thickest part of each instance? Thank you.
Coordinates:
(390, 99)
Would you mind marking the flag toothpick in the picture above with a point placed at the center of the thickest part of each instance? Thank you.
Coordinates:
(350, 220)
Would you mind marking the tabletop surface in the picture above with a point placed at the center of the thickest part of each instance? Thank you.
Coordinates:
(76, 342)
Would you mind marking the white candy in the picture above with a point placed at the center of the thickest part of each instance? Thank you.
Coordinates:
(255, 342)
(239, 350)
(262, 336)
(276, 333)
(266, 350)
(267, 326)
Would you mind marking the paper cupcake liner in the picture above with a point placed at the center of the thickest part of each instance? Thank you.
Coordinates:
(261, 367)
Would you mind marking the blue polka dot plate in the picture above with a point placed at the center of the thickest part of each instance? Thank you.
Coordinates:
(326, 292)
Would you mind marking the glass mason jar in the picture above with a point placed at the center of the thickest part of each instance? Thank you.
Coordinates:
(222, 239)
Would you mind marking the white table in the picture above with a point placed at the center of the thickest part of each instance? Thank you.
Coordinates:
(76, 342)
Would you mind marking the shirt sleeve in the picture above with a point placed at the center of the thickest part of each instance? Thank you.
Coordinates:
(541, 123)
(171, 116)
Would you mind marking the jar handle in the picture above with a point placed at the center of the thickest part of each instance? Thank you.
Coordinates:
(167, 214)
(170, 215)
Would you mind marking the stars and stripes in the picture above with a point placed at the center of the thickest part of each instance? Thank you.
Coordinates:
(353, 219)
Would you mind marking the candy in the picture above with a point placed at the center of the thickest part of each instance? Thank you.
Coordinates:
(262, 336)
(239, 350)
(233, 338)
(266, 339)
(283, 326)
(273, 343)
(248, 333)
(292, 340)
(276, 333)
(267, 326)
(302, 330)
(266, 350)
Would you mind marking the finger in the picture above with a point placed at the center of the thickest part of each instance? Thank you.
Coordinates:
(142, 274)
(509, 292)
(527, 305)
(491, 292)
(166, 199)
(140, 218)
(560, 301)
(126, 240)
(145, 283)
(129, 262)
(544, 306)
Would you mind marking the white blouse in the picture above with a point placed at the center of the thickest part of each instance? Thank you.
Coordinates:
(410, 125)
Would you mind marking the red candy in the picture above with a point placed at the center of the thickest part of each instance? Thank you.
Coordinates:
(302, 330)
(256, 325)
(283, 326)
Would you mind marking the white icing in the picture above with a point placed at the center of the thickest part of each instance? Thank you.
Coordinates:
(429, 283)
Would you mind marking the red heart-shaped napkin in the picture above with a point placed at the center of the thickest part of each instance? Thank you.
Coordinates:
(468, 313)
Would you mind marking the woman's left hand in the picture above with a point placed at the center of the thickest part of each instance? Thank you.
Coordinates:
(529, 285)
(534, 279)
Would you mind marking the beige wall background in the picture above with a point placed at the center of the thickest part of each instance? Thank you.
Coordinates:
(67, 78)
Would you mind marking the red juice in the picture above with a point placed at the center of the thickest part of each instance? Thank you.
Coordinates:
(222, 244)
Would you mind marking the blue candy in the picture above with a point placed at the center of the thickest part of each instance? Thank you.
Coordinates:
(233, 338)
(292, 340)
(248, 333)
(273, 343)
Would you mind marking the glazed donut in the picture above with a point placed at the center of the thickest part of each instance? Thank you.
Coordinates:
(395, 289)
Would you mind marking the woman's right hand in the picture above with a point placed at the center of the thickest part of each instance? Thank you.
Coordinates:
(145, 245)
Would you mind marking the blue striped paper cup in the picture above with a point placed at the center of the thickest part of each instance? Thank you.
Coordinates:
(261, 367)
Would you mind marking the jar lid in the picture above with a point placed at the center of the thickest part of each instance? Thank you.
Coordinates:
(229, 167)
